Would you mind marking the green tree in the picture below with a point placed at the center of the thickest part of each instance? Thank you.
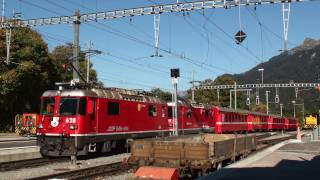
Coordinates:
(30, 72)
(62, 56)
(164, 95)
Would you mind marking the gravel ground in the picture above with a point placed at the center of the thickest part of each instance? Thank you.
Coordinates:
(60, 167)
(123, 176)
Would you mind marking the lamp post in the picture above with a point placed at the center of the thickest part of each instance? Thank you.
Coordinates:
(261, 70)
(267, 100)
(294, 109)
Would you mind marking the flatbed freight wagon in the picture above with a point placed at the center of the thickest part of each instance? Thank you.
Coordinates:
(191, 153)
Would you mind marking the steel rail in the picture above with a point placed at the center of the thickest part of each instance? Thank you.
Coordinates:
(87, 173)
(29, 163)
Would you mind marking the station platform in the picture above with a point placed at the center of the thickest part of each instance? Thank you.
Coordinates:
(288, 160)
(14, 137)
(15, 148)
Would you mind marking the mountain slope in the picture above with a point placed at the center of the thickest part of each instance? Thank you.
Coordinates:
(300, 64)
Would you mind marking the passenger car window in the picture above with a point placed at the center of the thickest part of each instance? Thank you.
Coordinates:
(152, 111)
(113, 108)
(82, 106)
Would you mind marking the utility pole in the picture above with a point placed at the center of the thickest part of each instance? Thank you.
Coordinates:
(2, 18)
(192, 95)
(218, 96)
(267, 101)
(294, 109)
(192, 82)
(76, 47)
(88, 63)
(281, 106)
(230, 99)
(8, 44)
(261, 70)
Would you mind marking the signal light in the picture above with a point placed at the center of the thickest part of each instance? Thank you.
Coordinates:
(175, 73)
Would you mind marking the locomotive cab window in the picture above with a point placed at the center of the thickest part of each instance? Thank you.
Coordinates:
(82, 106)
(152, 111)
(68, 106)
(113, 108)
(47, 106)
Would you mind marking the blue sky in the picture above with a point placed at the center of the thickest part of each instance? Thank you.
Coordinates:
(205, 37)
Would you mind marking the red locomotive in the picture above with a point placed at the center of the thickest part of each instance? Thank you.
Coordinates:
(98, 120)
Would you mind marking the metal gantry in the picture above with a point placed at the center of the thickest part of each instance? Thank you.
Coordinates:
(252, 86)
(140, 11)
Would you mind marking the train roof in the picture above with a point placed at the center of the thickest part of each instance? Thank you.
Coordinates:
(111, 93)
(242, 111)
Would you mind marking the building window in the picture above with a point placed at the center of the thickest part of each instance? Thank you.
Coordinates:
(152, 111)
(113, 108)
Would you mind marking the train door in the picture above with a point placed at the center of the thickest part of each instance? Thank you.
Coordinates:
(92, 116)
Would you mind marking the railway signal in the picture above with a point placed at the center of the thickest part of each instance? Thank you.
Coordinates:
(175, 74)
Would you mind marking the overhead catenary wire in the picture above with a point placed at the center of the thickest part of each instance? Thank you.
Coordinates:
(176, 55)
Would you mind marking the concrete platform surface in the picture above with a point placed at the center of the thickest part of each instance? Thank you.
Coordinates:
(21, 153)
(287, 160)
(4, 138)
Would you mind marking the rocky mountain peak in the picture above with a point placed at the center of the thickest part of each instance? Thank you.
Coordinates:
(308, 43)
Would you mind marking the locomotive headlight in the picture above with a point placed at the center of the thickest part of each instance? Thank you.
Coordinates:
(73, 127)
(40, 126)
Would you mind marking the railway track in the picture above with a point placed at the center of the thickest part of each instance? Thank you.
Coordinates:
(265, 142)
(88, 173)
(29, 163)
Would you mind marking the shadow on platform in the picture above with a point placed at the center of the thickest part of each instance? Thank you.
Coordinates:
(284, 170)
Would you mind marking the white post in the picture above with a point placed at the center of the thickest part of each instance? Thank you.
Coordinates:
(281, 105)
(176, 106)
(235, 95)
(267, 101)
(230, 99)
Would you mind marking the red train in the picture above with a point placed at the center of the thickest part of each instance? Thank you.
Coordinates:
(98, 120)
